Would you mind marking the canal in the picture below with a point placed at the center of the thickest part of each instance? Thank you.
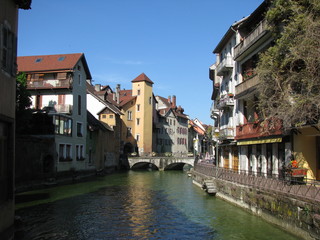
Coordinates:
(137, 205)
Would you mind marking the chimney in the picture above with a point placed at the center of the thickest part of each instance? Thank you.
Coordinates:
(97, 87)
(174, 99)
(118, 93)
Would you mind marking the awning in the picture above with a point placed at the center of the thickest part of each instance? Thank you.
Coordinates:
(251, 142)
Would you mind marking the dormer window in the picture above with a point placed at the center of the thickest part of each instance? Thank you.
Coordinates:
(38, 60)
(61, 58)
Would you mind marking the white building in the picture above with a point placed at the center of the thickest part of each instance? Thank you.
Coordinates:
(57, 84)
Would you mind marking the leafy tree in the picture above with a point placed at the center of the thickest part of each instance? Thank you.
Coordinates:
(23, 103)
(289, 70)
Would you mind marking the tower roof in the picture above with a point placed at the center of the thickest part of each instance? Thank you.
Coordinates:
(142, 77)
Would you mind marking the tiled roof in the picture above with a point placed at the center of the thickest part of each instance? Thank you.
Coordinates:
(125, 100)
(142, 77)
(110, 105)
(196, 128)
(165, 101)
(47, 63)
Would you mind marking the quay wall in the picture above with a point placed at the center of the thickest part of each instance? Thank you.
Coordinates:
(299, 217)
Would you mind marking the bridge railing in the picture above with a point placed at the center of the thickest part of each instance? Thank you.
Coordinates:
(307, 189)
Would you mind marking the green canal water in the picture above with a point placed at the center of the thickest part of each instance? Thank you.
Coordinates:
(138, 205)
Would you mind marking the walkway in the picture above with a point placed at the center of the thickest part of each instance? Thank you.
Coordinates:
(309, 191)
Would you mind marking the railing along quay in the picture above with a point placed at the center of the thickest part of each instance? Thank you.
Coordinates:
(307, 189)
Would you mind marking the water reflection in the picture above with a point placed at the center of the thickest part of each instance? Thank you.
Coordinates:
(142, 205)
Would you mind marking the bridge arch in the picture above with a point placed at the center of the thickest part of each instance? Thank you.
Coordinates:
(144, 166)
(161, 162)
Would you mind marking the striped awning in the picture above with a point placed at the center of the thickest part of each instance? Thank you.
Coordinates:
(260, 141)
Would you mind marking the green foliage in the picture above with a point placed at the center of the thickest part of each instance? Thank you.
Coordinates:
(289, 70)
(23, 102)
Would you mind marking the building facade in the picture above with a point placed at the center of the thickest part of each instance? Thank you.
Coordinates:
(8, 53)
(108, 113)
(57, 84)
(253, 144)
(172, 129)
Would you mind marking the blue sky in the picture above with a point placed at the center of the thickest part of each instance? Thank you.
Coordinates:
(171, 41)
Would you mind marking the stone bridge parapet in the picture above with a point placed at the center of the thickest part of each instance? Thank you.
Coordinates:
(161, 162)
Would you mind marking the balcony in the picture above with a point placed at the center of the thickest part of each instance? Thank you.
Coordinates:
(49, 84)
(214, 111)
(226, 133)
(247, 87)
(258, 129)
(63, 108)
(252, 39)
(225, 65)
(225, 101)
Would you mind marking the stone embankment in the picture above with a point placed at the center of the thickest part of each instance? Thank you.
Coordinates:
(295, 208)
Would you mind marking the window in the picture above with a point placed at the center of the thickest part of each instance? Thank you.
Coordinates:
(138, 92)
(138, 107)
(68, 152)
(138, 121)
(137, 137)
(129, 115)
(63, 125)
(150, 100)
(8, 53)
(79, 80)
(90, 156)
(65, 152)
(111, 116)
(61, 76)
(61, 58)
(79, 130)
(79, 152)
(104, 116)
(79, 105)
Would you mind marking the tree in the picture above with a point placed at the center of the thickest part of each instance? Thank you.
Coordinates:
(289, 70)
(23, 103)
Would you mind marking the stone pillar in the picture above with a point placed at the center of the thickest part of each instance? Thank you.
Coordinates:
(221, 164)
(275, 160)
(264, 160)
(254, 159)
(244, 158)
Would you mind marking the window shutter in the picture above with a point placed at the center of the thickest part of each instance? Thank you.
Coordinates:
(62, 76)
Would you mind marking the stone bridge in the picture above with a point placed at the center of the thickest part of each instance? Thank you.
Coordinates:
(162, 163)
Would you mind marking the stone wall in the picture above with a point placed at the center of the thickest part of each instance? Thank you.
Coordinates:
(300, 217)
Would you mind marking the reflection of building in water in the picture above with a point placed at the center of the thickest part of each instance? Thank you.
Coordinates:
(139, 208)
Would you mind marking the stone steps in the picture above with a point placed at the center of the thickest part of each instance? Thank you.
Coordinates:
(209, 186)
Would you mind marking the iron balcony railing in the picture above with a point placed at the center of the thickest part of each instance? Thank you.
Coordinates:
(304, 189)
(49, 84)
(63, 108)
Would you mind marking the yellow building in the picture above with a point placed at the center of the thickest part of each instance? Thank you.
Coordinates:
(306, 150)
(137, 107)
